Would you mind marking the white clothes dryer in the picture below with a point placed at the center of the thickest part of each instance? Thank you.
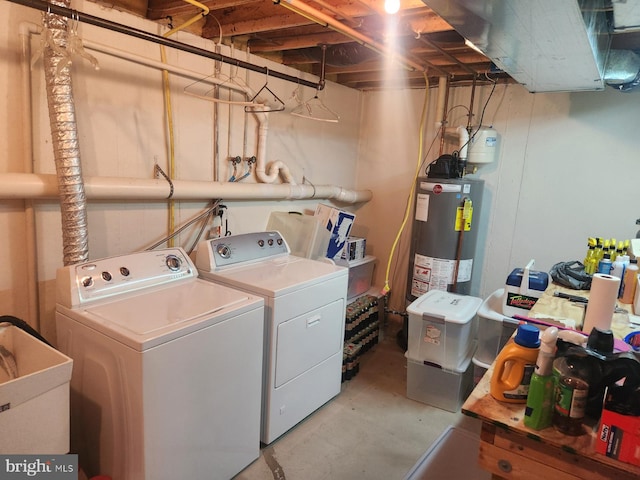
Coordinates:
(167, 368)
(305, 302)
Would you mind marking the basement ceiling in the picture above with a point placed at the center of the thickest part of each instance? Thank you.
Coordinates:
(356, 38)
(416, 37)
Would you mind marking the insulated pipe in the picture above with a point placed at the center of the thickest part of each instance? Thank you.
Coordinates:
(64, 135)
(30, 185)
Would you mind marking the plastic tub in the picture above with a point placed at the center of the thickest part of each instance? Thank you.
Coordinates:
(479, 369)
(360, 276)
(444, 389)
(494, 329)
(442, 328)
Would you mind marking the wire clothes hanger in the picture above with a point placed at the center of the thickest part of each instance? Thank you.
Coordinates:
(215, 81)
(255, 108)
(315, 109)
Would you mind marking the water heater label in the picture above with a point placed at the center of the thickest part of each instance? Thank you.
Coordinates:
(422, 207)
(431, 273)
(460, 219)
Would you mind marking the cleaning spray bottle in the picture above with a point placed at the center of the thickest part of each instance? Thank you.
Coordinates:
(539, 410)
(514, 366)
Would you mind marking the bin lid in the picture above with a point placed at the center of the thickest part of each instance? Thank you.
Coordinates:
(453, 307)
(537, 280)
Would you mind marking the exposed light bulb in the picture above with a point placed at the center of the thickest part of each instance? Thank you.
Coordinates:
(391, 6)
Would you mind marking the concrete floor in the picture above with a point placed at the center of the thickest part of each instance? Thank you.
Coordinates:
(371, 430)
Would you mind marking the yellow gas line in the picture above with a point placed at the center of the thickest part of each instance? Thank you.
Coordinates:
(169, 110)
(387, 288)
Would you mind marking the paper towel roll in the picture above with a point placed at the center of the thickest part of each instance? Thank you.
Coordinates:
(602, 302)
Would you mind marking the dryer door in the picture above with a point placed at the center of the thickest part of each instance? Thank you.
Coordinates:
(307, 340)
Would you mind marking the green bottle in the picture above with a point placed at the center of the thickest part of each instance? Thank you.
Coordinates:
(539, 409)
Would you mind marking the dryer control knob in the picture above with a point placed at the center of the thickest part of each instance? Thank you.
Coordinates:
(223, 250)
(173, 262)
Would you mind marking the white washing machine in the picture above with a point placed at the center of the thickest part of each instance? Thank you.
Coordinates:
(305, 303)
(167, 368)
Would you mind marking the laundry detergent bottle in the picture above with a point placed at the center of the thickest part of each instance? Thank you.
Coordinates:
(514, 366)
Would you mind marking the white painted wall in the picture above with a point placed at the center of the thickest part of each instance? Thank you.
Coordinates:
(567, 170)
(121, 124)
(567, 166)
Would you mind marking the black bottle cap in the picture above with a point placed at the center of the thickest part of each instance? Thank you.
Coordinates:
(600, 341)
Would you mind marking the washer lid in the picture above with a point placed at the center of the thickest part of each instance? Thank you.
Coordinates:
(158, 315)
(278, 276)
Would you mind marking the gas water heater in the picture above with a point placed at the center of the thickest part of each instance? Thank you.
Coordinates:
(444, 235)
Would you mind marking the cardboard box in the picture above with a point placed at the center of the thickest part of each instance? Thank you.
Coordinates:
(619, 437)
(34, 406)
(339, 224)
(354, 248)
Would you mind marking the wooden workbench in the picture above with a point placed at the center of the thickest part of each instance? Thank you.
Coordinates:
(509, 450)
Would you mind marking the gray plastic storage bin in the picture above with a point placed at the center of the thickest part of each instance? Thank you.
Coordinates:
(453, 456)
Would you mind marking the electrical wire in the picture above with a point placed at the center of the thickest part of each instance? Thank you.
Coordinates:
(472, 136)
(423, 119)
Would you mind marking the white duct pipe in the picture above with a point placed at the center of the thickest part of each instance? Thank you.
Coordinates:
(463, 139)
(276, 167)
(29, 185)
(463, 142)
(442, 95)
(33, 308)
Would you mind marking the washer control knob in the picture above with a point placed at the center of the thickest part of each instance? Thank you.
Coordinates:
(106, 276)
(279, 241)
(87, 281)
(261, 243)
(270, 241)
(223, 250)
(124, 271)
(173, 262)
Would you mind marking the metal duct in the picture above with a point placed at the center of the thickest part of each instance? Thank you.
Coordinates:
(545, 45)
(623, 70)
(64, 133)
